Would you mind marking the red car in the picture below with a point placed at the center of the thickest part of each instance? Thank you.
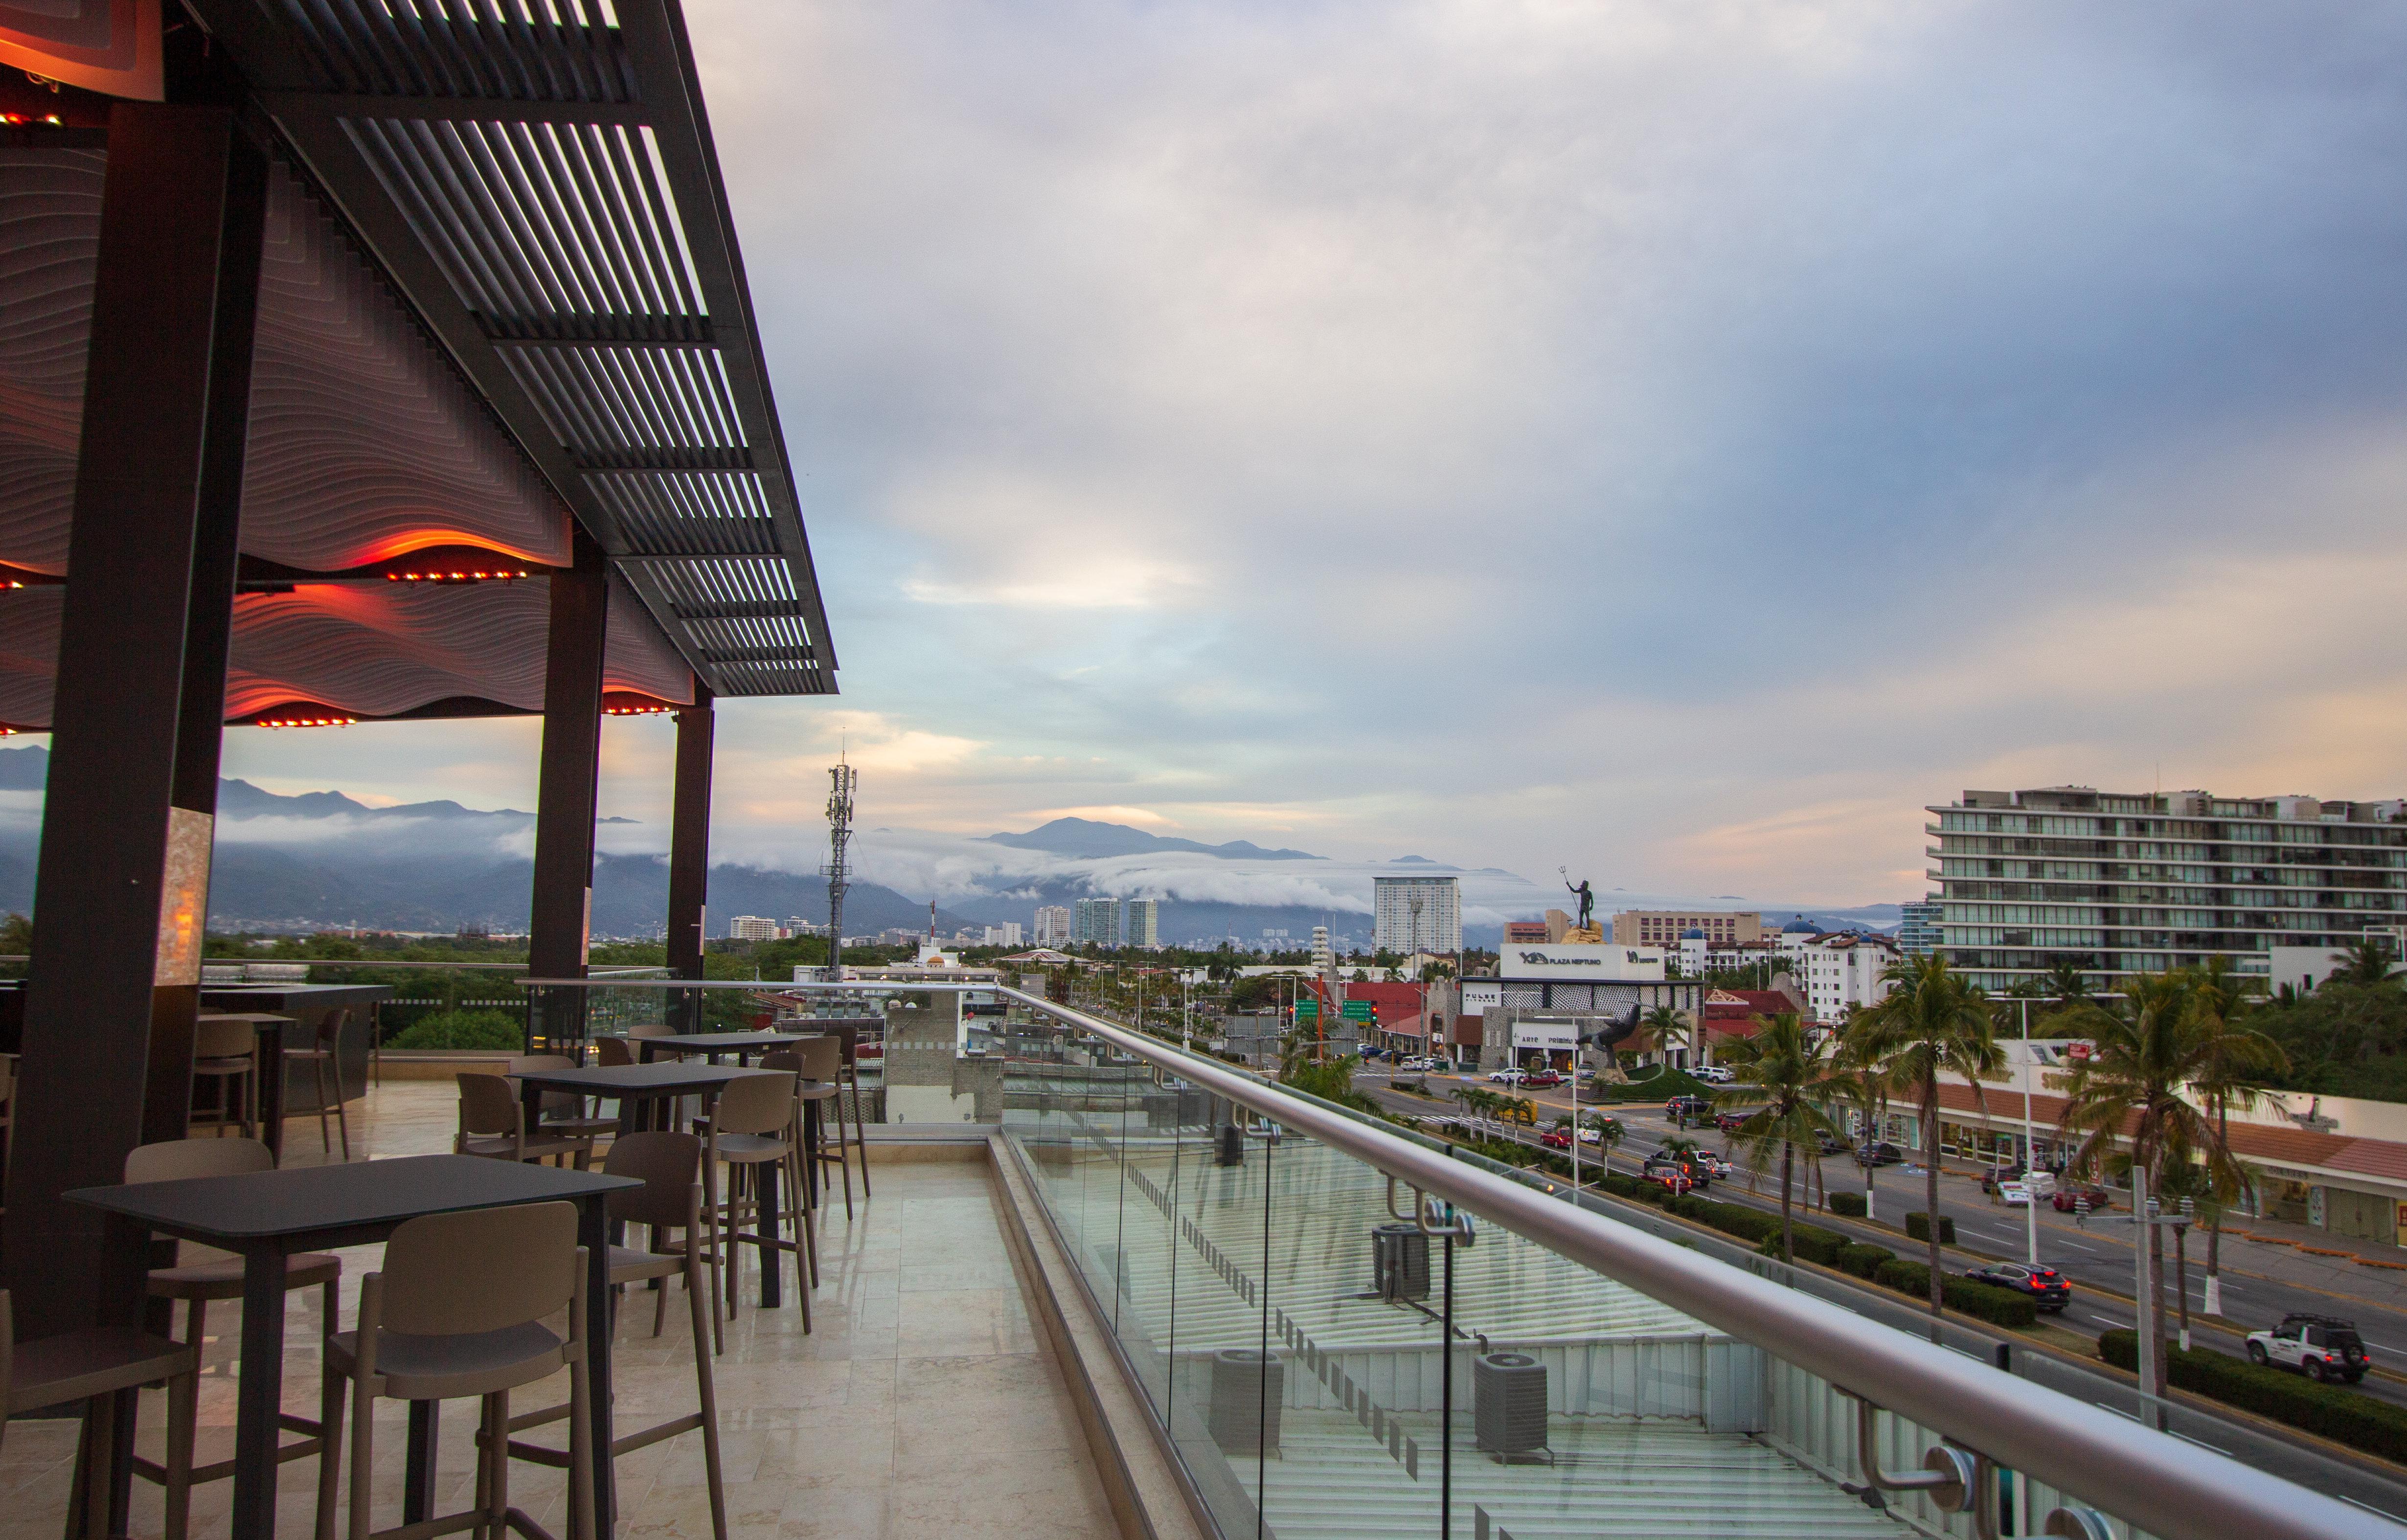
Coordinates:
(1667, 1178)
(1555, 1138)
(2066, 1196)
(1729, 1121)
(1543, 1077)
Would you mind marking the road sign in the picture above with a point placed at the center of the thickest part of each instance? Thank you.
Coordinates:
(1360, 1010)
(1307, 1010)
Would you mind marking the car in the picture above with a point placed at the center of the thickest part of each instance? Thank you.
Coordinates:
(1687, 1106)
(1826, 1142)
(1555, 1138)
(1543, 1077)
(1695, 1172)
(1591, 1134)
(1669, 1177)
(2045, 1286)
(2323, 1347)
(1715, 1165)
(1505, 1076)
(2067, 1198)
(1731, 1122)
(1883, 1153)
(1992, 1175)
(2015, 1195)
(1713, 1075)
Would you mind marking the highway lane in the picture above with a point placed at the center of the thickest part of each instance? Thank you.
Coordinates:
(2096, 1258)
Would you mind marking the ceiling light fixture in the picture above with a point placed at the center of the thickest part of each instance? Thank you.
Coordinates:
(498, 574)
(304, 722)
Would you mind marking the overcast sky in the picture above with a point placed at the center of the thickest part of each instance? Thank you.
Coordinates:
(1673, 440)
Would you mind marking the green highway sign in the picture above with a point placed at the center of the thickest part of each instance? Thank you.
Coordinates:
(1307, 1010)
(1360, 1010)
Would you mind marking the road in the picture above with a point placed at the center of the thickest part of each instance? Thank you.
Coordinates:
(2096, 1257)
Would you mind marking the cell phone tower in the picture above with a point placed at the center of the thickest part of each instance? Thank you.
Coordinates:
(844, 780)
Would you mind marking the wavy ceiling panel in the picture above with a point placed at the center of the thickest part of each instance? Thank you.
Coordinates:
(638, 655)
(49, 240)
(380, 649)
(29, 653)
(363, 443)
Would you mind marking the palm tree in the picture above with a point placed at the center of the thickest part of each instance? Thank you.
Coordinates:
(2065, 980)
(2234, 1062)
(2143, 1057)
(1663, 1023)
(1931, 1023)
(1863, 1081)
(1783, 1074)
(2369, 962)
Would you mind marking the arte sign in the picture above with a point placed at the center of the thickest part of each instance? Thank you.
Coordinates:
(1584, 962)
(1553, 1036)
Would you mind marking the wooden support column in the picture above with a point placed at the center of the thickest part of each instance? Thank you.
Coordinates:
(690, 851)
(123, 879)
(560, 916)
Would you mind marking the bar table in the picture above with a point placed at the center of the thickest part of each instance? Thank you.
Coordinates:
(710, 1045)
(271, 1213)
(637, 1087)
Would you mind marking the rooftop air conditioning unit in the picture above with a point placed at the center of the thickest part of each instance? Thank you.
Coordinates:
(1508, 1396)
(1248, 1387)
(1400, 1262)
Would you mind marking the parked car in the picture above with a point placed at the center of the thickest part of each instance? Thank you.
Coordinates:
(2324, 1348)
(1729, 1123)
(1992, 1175)
(1505, 1076)
(1827, 1142)
(1543, 1077)
(2015, 1195)
(1714, 1075)
(1687, 1106)
(2068, 1197)
(1593, 1134)
(2047, 1288)
(1883, 1153)
(1555, 1138)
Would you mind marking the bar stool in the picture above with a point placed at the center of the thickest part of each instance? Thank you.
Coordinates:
(564, 1111)
(613, 1053)
(7, 1115)
(327, 1071)
(458, 1310)
(492, 1123)
(847, 1033)
(669, 1165)
(85, 1367)
(226, 1050)
(752, 1127)
(218, 1277)
(820, 1062)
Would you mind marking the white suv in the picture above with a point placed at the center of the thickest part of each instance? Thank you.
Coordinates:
(1713, 1075)
(2318, 1346)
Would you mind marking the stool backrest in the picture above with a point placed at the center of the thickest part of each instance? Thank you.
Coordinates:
(668, 1165)
(446, 1274)
(846, 1031)
(613, 1052)
(175, 1160)
(822, 1058)
(224, 1039)
(756, 1104)
(652, 1028)
(330, 1026)
(488, 1104)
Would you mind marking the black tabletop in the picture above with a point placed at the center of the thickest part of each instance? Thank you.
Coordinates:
(321, 1199)
(637, 1080)
(298, 994)
(718, 1041)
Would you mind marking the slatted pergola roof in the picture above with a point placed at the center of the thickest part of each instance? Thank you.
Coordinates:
(536, 178)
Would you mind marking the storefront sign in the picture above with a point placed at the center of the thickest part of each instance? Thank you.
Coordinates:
(1580, 963)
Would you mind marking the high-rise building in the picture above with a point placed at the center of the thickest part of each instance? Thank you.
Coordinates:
(1095, 923)
(1052, 924)
(2118, 883)
(1143, 921)
(1917, 934)
(1666, 927)
(751, 928)
(1423, 913)
(1004, 935)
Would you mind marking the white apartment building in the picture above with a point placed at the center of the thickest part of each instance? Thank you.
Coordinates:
(2117, 883)
(1700, 954)
(1052, 924)
(1004, 935)
(1842, 972)
(1143, 921)
(1095, 923)
(752, 928)
(1416, 913)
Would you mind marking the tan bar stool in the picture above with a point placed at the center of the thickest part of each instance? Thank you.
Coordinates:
(216, 1276)
(85, 1367)
(492, 1123)
(754, 1126)
(564, 1111)
(818, 1061)
(847, 1034)
(327, 1071)
(226, 1050)
(670, 1205)
(613, 1053)
(458, 1310)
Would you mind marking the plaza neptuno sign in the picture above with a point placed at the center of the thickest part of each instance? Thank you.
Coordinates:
(1577, 962)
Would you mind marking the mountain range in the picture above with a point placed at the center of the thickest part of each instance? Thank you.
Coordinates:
(1085, 837)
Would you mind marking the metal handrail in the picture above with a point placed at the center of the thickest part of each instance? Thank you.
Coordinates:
(2162, 1484)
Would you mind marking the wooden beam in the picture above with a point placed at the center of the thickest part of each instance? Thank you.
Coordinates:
(561, 915)
(689, 845)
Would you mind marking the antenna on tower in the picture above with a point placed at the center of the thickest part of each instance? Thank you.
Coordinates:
(844, 779)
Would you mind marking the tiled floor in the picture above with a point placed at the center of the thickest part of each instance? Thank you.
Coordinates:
(924, 1402)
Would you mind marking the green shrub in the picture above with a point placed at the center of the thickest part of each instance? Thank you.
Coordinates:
(462, 1029)
(1660, 1086)
(1981, 1301)
(1918, 1228)
(1864, 1261)
(2338, 1412)
(1849, 1204)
